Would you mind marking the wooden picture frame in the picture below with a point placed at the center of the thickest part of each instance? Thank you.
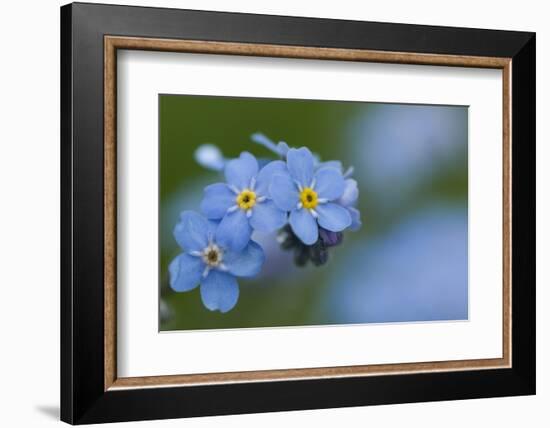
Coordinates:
(91, 390)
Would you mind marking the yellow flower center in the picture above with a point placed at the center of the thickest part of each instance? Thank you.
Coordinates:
(246, 199)
(308, 198)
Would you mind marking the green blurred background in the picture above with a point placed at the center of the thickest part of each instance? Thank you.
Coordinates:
(409, 260)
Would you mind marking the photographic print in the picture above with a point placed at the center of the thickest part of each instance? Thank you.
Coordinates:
(290, 212)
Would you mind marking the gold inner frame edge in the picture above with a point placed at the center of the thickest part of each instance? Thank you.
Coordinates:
(113, 43)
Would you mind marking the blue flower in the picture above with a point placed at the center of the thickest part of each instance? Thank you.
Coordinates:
(210, 156)
(309, 196)
(243, 203)
(209, 263)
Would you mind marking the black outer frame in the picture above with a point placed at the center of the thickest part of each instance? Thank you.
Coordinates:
(83, 399)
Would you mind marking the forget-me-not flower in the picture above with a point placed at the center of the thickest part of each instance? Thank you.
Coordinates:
(207, 262)
(243, 203)
(309, 196)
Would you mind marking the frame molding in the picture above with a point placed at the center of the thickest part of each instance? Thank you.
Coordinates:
(90, 391)
(113, 43)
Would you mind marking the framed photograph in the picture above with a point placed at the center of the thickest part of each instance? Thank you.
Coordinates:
(266, 213)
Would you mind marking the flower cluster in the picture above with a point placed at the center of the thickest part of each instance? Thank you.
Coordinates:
(307, 202)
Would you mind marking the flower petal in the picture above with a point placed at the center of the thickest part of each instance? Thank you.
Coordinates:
(355, 219)
(219, 291)
(247, 262)
(239, 172)
(304, 226)
(191, 232)
(234, 231)
(283, 148)
(300, 165)
(333, 217)
(267, 217)
(330, 164)
(266, 174)
(217, 199)
(185, 272)
(284, 191)
(329, 183)
(351, 193)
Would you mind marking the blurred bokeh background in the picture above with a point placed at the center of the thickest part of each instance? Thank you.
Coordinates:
(408, 262)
